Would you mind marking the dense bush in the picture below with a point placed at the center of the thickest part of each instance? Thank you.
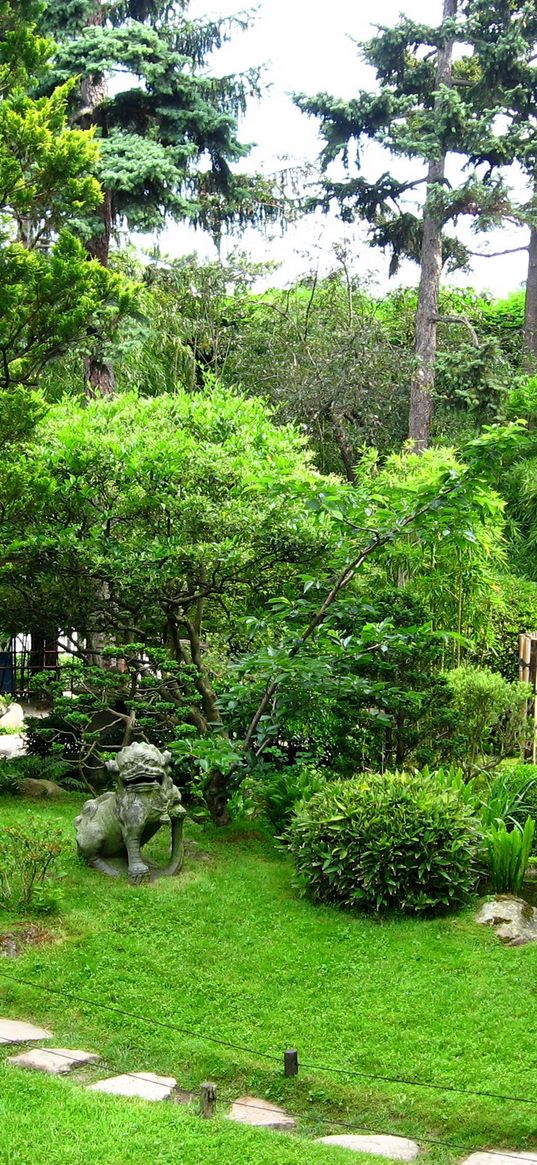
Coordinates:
(28, 868)
(273, 793)
(388, 841)
(491, 712)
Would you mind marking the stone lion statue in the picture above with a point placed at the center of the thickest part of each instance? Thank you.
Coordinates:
(117, 824)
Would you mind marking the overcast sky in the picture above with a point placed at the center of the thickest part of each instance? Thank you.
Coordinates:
(307, 46)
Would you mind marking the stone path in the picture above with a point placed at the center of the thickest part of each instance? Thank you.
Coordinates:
(249, 1110)
(145, 1085)
(13, 1031)
(55, 1061)
(396, 1148)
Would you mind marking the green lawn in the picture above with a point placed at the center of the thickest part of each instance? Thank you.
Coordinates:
(227, 949)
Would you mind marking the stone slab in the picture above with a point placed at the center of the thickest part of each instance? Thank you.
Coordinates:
(144, 1085)
(55, 1061)
(14, 1031)
(252, 1110)
(498, 1157)
(396, 1148)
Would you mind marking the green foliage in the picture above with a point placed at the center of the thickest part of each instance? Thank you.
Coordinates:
(391, 841)
(51, 297)
(170, 140)
(415, 114)
(28, 868)
(275, 793)
(485, 703)
(37, 767)
(508, 854)
(512, 796)
(9, 778)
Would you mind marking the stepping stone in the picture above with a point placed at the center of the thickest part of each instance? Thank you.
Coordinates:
(145, 1085)
(13, 1031)
(250, 1110)
(55, 1061)
(498, 1157)
(397, 1148)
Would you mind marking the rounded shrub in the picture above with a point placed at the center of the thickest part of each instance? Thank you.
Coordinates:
(391, 841)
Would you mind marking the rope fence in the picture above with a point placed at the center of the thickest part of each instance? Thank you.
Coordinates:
(349, 1074)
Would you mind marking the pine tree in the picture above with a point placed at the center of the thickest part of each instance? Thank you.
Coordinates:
(504, 34)
(51, 297)
(168, 135)
(430, 104)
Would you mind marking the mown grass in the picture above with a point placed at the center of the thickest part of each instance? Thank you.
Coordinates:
(228, 950)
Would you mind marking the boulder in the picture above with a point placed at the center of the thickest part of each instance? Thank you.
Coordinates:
(35, 787)
(13, 718)
(513, 919)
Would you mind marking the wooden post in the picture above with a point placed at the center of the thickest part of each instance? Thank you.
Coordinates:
(290, 1062)
(527, 671)
(207, 1099)
(532, 677)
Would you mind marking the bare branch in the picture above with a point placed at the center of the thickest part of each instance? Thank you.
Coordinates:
(459, 320)
(498, 254)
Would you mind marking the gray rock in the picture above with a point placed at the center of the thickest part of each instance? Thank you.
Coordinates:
(251, 1110)
(144, 1085)
(13, 718)
(396, 1148)
(12, 745)
(14, 1031)
(514, 920)
(36, 787)
(55, 1061)
(498, 1157)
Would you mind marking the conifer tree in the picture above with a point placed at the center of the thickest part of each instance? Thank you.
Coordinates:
(504, 34)
(430, 105)
(51, 297)
(168, 134)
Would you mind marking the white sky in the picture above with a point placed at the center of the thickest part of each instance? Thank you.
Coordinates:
(307, 46)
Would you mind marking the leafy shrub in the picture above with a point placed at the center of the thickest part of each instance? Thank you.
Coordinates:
(38, 768)
(280, 791)
(486, 703)
(28, 868)
(508, 854)
(284, 790)
(388, 841)
(512, 796)
(9, 779)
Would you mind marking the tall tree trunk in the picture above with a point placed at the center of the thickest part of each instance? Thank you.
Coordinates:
(530, 315)
(422, 386)
(343, 443)
(98, 372)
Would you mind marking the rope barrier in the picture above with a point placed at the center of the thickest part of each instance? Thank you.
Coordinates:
(348, 1073)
